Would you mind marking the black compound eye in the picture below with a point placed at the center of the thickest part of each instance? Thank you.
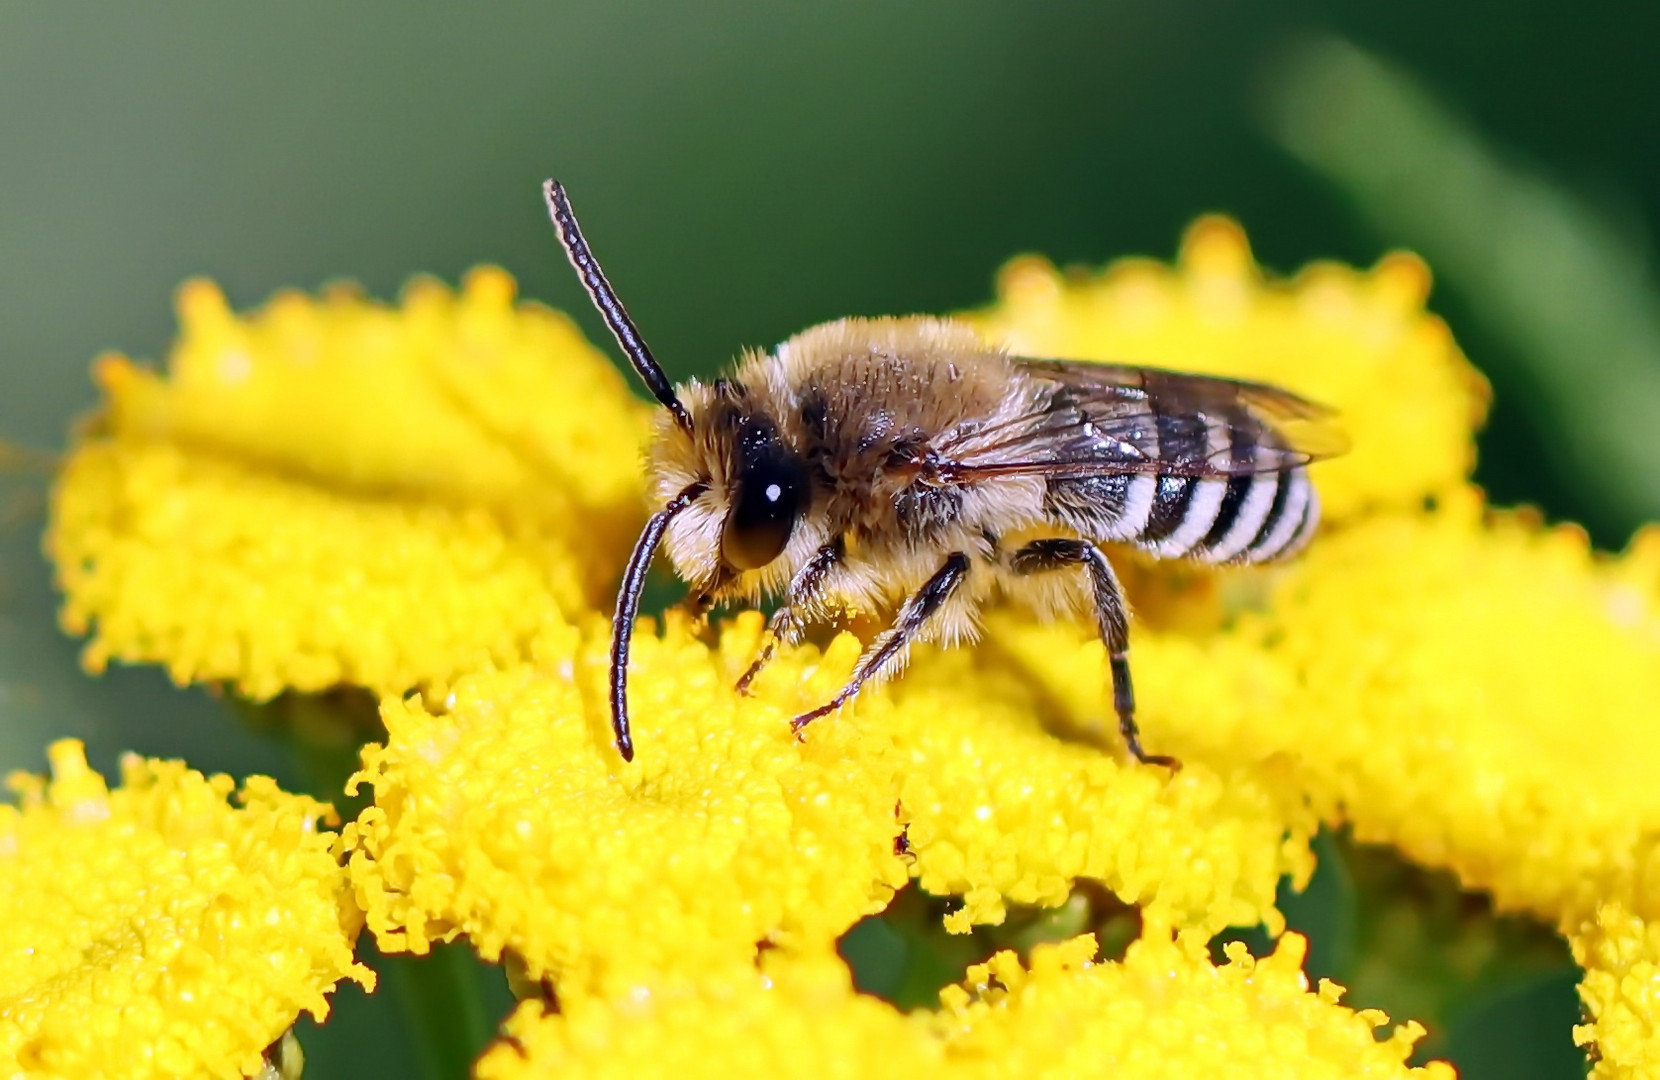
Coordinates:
(768, 494)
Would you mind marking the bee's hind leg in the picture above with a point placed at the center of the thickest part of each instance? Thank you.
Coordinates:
(889, 647)
(785, 625)
(1111, 617)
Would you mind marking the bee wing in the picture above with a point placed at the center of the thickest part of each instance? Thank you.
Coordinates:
(1090, 418)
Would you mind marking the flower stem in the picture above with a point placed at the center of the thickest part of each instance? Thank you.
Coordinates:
(442, 997)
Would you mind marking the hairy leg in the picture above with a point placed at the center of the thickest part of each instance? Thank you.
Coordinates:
(889, 647)
(785, 625)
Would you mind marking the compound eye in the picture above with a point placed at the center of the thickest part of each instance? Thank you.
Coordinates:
(770, 493)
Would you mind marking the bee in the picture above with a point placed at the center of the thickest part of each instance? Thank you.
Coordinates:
(904, 465)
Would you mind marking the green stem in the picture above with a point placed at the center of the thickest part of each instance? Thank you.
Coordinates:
(441, 999)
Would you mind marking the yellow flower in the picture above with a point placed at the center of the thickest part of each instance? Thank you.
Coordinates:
(156, 930)
(1479, 693)
(333, 491)
(1014, 785)
(1164, 1011)
(794, 1021)
(1620, 953)
(503, 813)
(1358, 341)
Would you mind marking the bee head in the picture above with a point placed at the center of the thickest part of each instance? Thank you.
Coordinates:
(757, 485)
(732, 491)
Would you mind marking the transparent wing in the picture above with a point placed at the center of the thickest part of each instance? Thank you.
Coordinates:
(1090, 418)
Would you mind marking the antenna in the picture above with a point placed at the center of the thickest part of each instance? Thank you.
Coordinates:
(628, 609)
(605, 299)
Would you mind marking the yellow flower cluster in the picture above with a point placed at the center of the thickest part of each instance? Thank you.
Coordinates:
(793, 1021)
(1164, 1011)
(502, 811)
(157, 930)
(1496, 681)
(335, 491)
(437, 496)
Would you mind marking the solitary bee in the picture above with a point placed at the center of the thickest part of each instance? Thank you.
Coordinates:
(904, 465)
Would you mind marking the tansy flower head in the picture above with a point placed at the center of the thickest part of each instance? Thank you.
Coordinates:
(797, 1021)
(1014, 785)
(1472, 688)
(159, 930)
(1165, 1011)
(502, 811)
(335, 491)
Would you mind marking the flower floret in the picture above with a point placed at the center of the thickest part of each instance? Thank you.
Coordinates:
(1620, 952)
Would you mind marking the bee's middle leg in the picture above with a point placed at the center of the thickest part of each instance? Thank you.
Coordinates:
(889, 647)
(1111, 617)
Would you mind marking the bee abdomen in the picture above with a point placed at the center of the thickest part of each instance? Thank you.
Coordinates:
(1252, 517)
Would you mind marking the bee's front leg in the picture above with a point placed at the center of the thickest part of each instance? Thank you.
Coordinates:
(700, 602)
(785, 626)
(697, 606)
(782, 627)
(889, 648)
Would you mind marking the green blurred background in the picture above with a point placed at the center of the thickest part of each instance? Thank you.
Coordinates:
(745, 170)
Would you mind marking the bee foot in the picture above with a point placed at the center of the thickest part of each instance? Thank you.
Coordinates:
(799, 724)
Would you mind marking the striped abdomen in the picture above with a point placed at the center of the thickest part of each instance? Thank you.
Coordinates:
(1227, 513)
(1184, 466)
(1249, 518)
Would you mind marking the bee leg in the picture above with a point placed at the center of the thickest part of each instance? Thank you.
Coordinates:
(1112, 619)
(697, 607)
(889, 647)
(784, 626)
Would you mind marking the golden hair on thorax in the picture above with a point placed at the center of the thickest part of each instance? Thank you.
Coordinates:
(905, 465)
